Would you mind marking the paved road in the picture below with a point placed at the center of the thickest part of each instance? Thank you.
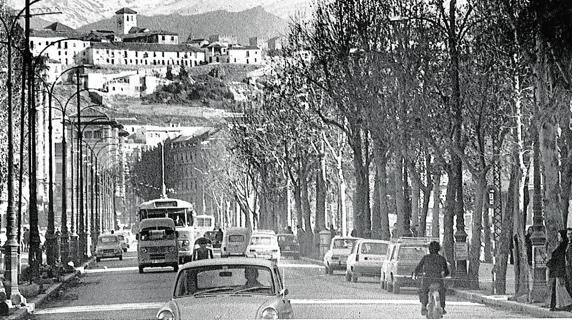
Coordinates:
(114, 289)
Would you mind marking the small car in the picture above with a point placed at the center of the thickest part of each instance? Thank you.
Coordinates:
(124, 241)
(366, 259)
(289, 246)
(239, 288)
(186, 242)
(399, 265)
(340, 248)
(108, 246)
(235, 242)
(264, 245)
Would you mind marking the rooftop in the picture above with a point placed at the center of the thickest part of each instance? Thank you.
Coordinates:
(135, 46)
(244, 48)
(126, 11)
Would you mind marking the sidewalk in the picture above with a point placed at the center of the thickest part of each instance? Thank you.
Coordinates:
(485, 296)
(32, 303)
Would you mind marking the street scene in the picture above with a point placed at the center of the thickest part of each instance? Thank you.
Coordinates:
(285, 159)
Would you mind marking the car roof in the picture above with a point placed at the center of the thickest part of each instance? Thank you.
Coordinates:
(106, 235)
(345, 238)
(372, 241)
(229, 262)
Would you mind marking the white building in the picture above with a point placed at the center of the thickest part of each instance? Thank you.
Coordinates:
(125, 19)
(245, 55)
(60, 43)
(149, 54)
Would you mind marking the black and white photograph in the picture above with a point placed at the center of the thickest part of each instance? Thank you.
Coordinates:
(285, 159)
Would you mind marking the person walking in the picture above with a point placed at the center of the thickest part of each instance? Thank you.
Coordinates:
(560, 298)
(569, 261)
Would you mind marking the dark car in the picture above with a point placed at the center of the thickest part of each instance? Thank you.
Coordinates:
(289, 245)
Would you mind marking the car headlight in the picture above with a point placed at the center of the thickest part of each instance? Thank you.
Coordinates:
(166, 315)
(144, 250)
(269, 313)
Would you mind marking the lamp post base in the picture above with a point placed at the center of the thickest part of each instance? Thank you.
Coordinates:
(11, 272)
(52, 249)
(65, 247)
(83, 253)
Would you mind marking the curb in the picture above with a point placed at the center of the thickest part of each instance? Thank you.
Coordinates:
(528, 309)
(38, 300)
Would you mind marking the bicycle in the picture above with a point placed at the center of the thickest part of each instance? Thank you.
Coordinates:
(434, 310)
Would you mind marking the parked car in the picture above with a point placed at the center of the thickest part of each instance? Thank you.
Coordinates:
(123, 240)
(399, 265)
(108, 246)
(235, 241)
(337, 255)
(227, 289)
(366, 259)
(264, 245)
(186, 242)
(289, 246)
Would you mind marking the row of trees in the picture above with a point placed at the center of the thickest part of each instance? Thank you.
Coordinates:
(394, 98)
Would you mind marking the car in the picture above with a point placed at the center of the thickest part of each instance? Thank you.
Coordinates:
(289, 246)
(223, 289)
(235, 242)
(186, 242)
(402, 257)
(340, 248)
(108, 246)
(264, 245)
(124, 241)
(366, 259)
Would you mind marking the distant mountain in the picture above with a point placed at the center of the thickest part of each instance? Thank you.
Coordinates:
(255, 22)
(77, 13)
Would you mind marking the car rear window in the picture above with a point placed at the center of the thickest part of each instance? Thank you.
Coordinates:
(108, 239)
(374, 248)
(343, 243)
(261, 241)
(412, 253)
(236, 238)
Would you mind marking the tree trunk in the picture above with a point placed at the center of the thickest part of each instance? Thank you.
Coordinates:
(422, 230)
(487, 229)
(415, 195)
(566, 168)
(521, 267)
(381, 165)
(435, 213)
(448, 239)
(321, 197)
(309, 239)
(399, 196)
(475, 253)
(298, 204)
(361, 193)
(376, 210)
(506, 235)
(551, 184)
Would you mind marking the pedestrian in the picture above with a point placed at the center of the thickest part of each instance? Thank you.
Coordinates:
(528, 243)
(26, 238)
(202, 252)
(301, 239)
(569, 261)
(560, 298)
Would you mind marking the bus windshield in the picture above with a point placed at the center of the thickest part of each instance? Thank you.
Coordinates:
(159, 233)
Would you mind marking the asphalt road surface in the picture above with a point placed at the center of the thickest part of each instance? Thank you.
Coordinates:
(113, 289)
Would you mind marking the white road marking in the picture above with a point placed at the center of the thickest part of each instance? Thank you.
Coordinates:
(157, 305)
(375, 301)
(102, 307)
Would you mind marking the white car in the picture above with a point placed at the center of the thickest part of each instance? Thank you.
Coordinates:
(263, 245)
(336, 257)
(366, 259)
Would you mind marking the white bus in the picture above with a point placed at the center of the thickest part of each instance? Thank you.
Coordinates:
(202, 224)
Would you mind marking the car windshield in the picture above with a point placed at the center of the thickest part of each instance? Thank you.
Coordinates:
(343, 243)
(262, 241)
(374, 248)
(108, 239)
(236, 238)
(224, 279)
(286, 239)
(160, 233)
(412, 253)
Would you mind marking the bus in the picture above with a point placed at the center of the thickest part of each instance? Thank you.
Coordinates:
(181, 213)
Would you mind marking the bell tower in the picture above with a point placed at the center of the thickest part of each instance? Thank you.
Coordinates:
(125, 19)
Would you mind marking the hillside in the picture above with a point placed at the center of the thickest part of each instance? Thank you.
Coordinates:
(250, 23)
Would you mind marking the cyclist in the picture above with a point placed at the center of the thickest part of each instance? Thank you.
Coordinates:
(432, 267)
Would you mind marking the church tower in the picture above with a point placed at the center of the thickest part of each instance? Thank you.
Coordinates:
(125, 20)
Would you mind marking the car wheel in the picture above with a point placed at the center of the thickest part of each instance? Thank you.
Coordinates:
(348, 276)
(388, 285)
(176, 267)
(140, 269)
(382, 282)
(97, 259)
(326, 271)
(124, 249)
(395, 287)
(120, 257)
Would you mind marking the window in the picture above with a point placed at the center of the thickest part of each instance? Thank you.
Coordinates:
(32, 45)
(65, 45)
(163, 38)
